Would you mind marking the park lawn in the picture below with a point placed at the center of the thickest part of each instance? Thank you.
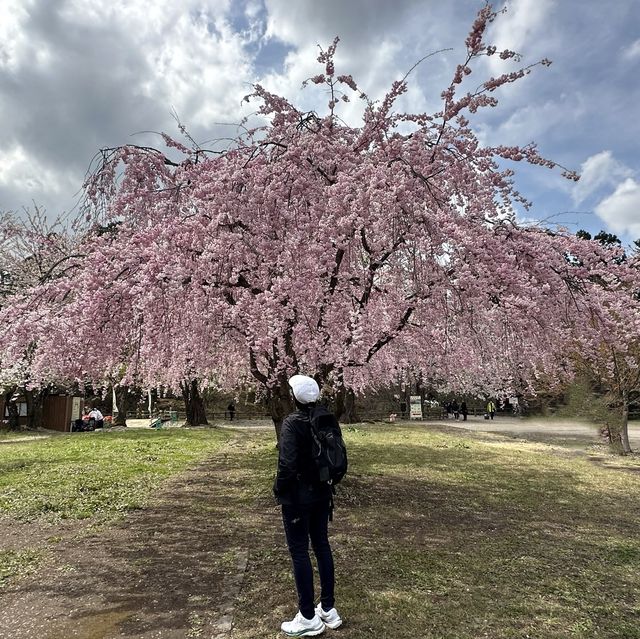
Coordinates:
(452, 535)
(97, 476)
(438, 533)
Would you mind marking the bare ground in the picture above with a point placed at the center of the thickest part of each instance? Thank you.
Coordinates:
(580, 437)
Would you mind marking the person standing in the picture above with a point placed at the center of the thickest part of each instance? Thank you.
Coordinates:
(464, 411)
(455, 408)
(232, 410)
(491, 408)
(306, 506)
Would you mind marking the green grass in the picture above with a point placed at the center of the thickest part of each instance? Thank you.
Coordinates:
(447, 535)
(95, 474)
(18, 564)
(438, 533)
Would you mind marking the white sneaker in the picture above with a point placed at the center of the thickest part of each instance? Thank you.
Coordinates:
(331, 619)
(300, 626)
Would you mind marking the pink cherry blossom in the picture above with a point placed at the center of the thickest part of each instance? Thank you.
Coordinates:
(358, 254)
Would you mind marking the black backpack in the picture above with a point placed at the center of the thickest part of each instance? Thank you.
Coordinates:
(328, 450)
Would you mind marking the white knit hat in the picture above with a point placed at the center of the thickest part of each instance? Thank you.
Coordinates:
(305, 389)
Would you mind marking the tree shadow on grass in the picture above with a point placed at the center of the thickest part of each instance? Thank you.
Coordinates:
(453, 540)
(522, 486)
(473, 542)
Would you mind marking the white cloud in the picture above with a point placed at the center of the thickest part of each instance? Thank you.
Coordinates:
(252, 9)
(523, 22)
(23, 172)
(379, 42)
(15, 45)
(534, 120)
(78, 75)
(598, 171)
(621, 210)
(198, 72)
(36, 182)
(632, 51)
(193, 60)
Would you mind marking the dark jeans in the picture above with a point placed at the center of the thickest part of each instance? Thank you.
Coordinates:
(301, 523)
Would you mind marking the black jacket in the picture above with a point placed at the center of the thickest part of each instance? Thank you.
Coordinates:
(296, 481)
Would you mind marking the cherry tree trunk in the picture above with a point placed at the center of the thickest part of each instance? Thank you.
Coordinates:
(279, 404)
(193, 404)
(13, 411)
(35, 406)
(126, 401)
(346, 406)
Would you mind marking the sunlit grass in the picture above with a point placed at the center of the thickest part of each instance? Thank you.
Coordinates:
(95, 474)
(26, 435)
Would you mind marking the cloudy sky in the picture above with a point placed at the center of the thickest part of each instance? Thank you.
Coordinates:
(79, 75)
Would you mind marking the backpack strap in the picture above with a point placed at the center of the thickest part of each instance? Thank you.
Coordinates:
(314, 431)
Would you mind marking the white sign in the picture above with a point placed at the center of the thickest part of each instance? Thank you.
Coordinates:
(416, 407)
(22, 409)
(75, 408)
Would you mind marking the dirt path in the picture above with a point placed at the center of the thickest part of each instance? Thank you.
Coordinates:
(169, 571)
(548, 430)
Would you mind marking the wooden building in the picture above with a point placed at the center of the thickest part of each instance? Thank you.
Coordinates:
(58, 411)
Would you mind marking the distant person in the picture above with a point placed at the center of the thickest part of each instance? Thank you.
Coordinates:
(232, 410)
(491, 408)
(464, 410)
(449, 408)
(306, 508)
(455, 409)
(97, 417)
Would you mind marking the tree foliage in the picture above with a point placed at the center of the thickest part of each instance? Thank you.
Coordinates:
(349, 252)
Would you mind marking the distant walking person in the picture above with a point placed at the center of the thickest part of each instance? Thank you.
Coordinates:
(455, 408)
(306, 507)
(464, 410)
(491, 409)
(448, 408)
(232, 410)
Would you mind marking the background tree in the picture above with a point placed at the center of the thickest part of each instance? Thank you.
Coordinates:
(608, 349)
(194, 403)
(34, 251)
